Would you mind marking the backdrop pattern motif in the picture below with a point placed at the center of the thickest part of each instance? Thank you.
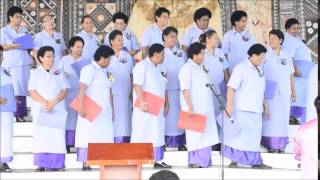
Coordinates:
(67, 15)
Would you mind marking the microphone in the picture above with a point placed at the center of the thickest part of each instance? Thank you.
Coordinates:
(212, 87)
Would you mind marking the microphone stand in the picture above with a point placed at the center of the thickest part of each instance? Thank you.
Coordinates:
(222, 108)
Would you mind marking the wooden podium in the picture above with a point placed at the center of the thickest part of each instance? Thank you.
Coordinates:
(120, 161)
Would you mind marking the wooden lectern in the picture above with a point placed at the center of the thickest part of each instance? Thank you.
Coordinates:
(120, 161)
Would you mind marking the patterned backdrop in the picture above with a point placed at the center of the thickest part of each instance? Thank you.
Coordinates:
(67, 15)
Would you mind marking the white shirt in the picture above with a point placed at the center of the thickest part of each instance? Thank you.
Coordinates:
(193, 78)
(149, 76)
(236, 45)
(216, 63)
(91, 44)
(130, 41)
(13, 57)
(56, 41)
(151, 36)
(121, 69)
(70, 74)
(192, 35)
(249, 87)
(99, 84)
(296, 48)
(173, 61)
(48, 84)
(278, 68)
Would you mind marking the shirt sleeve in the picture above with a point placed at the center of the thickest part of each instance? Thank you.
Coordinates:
(106, 40)
(32, 84)
(87, 75)
(139, 72)
(186, 40)
(134, 42)
(225, 45)
(290, 63)
(146, 38)
(37, 41)
(185, 78)
(3, 37)
(290, 47)
(64, 82)
(236, 78)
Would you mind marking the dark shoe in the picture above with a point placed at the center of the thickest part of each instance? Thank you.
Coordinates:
(86, 167)
(162, 165)
(280, 151)
(194, 166)
(20, 119)
(56, 169)
(294, 121)
(68, 149)
(299, 165)
(182, 148)
(5, 168)
(261, 166)
(40, 169)
(233, 165)
(272, 150)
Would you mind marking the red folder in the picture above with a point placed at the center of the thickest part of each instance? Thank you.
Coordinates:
(155, 103)
(92, 108)
(196, 123)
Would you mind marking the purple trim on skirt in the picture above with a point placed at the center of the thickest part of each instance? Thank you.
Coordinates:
(6, 159)
(243, 157)
(21, 107)
(82, 154)
(70, 137)
(275, 142)
(122, 139)
(175, 141)
(158, 153)
(201, 157)
(49, 160)
(299, 113)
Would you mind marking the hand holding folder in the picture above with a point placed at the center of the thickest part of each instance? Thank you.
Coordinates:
(25, 42)
(92, 108)
(154, 102)
(197, 122)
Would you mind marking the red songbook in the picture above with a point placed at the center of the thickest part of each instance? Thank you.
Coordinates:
(155, 103)
(196, 123)
(92, 108)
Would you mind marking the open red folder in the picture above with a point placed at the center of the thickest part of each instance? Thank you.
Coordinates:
(155, 103)
(92, 108)
(196, 123)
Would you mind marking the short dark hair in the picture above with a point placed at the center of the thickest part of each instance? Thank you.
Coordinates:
(206, 35)
(120, 15)
(236, 16)
(73, 41)
(155, 48)
(42, 51)
(12, 11)
(103, 51)
(113, 35)
(159, 11)
(195, 49)
(256, 49)
(168, 30)
(199, 13)
(85, 17)
(290, 22)
(164, 175)
(277, 33)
